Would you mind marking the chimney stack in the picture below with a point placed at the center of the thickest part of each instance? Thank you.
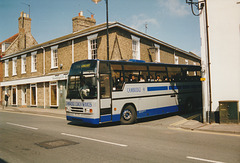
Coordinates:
(80, 22)
(24, 27)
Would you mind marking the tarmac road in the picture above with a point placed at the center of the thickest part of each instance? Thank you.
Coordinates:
(33, 138)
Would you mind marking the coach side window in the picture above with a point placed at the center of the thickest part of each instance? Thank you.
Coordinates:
(117, 77)
(191, 73)
(174, 73)
(105, 91)
(157, 74)
(135, 73)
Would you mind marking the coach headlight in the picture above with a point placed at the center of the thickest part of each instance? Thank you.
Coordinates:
(88, 111)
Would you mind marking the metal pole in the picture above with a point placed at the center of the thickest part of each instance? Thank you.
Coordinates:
(209, 64)
(107, 30)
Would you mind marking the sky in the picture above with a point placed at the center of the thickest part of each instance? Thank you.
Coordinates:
(170, 21)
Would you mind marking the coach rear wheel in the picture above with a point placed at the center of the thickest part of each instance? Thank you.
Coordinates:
(128, 115)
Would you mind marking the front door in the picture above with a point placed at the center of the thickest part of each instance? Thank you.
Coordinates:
(105, 95)
(14, 95)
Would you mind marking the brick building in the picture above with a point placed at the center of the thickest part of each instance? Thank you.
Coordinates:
(36, 76)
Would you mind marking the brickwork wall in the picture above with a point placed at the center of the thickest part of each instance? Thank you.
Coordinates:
(64, 57)
(102, 44)
(19, 95)
(166, 55)
(125, 44)
(28, 95)
(13, 47)
(182, 57)
(80, 49)
(28, 73)
(47, 94)
(144, 46)
(40, 95)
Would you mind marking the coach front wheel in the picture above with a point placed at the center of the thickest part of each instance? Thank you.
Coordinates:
(128, 115)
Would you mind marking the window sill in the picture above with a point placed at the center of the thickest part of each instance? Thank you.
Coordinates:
(53, 106)
(52, 68)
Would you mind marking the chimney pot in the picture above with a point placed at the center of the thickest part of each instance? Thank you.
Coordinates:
(80, 13)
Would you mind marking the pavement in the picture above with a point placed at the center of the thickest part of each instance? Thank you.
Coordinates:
(188, 123)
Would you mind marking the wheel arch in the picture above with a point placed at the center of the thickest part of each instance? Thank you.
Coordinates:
(131, 104)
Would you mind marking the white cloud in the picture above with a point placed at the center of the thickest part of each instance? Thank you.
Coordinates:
(139, 21)
(175, 7)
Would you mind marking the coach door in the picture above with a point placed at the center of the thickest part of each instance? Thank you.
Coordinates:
(105, 93)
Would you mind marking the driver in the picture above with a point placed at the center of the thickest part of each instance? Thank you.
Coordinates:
(84, 88)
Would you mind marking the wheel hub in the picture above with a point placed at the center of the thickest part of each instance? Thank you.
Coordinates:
(127, 115)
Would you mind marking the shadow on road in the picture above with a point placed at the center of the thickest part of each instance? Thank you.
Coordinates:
(2, 161)
(139, 121)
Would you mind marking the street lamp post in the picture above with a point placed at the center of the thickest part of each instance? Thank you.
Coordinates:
(96, 1)
(201, 6)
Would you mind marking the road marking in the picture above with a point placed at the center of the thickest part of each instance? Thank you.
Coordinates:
(205, 160)
(97, 140)
(14, 124)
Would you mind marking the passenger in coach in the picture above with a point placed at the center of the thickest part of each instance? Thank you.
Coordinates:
(158, 79)
(132, 78)
(141, 79)
(120, 82)
(150, 79)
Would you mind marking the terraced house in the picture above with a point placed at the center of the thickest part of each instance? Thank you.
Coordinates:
(35, 75)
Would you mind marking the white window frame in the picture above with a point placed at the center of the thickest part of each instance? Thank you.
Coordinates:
(6, 74)
(135, 48)
(34, 61)
(186, 62)
(54, 57)
(53, 83)
(33, 85)
(14, 66)
(91, 50)
(24, 64)
(157, 53)
(176, 60)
